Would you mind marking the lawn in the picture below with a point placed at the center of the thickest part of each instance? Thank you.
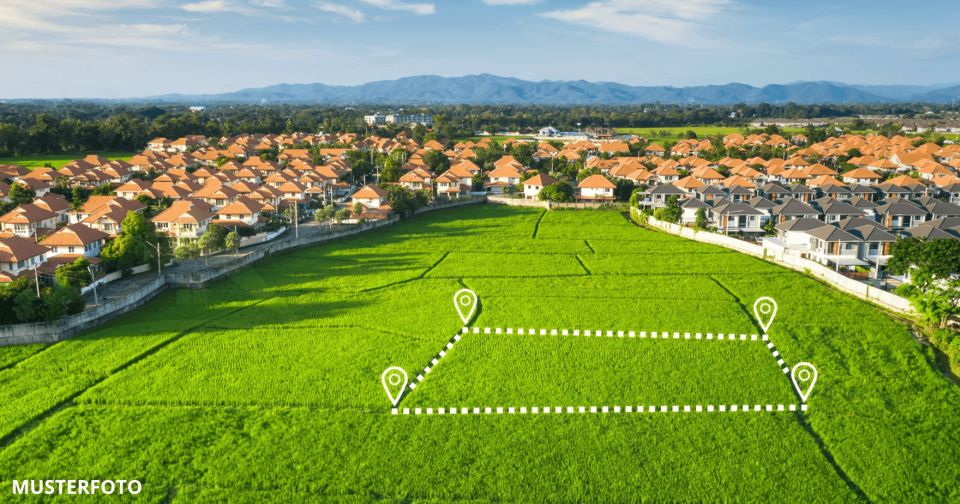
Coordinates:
(265, 386)
(58, 160)
(674, 133)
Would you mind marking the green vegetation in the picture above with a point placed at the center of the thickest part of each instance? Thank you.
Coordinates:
(58, 160)
(264, 387)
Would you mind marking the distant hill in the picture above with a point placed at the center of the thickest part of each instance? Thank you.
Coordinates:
(492, 89)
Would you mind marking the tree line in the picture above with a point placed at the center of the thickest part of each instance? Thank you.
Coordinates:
(44, 127)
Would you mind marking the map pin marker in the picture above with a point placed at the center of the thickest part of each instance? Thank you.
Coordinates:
(804, 377)
(394, 382)
(765, 309)
(465, 300)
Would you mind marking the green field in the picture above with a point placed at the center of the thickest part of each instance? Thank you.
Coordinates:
(265, 387)
(58, 160)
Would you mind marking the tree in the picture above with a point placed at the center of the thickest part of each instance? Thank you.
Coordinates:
(769, 228)
(933, 267)
(20, 194)
(76, 198)
(104, 189)
(557, 192)
(134, 245)
(186, 251)
(701, 219)
(74, 275)
(636, 194)
(342, 214)
(232, 241)
(357, 208)
(624, 189)
(212, 240)
(673, 211)
(403, 200)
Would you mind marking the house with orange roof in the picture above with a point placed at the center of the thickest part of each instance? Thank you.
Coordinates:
(533, 185)
(417, 179)
(29, 220)
(243, 212)
(862, 176)
(184, 221)
(18, 255)
(216, 193)
(75, 240)
(503, 178)
(596, 188)
(370, 196)
(655, 149)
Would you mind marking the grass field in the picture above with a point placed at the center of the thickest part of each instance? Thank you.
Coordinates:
(58, 160)
(265, 387)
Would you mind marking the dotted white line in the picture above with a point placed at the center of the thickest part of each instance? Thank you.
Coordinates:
(520, 331)
(582, 410)
(776, 354)
(440, 355)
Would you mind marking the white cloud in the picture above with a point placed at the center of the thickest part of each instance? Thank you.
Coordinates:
(421, 9)
(348, 12)
(658, 20)
(511, 2)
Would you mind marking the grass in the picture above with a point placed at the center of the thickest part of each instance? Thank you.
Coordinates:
(674, 133)
(264, 387)
(58, 160)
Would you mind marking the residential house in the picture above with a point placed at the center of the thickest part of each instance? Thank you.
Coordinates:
(900, 213)
(533, 185)
(370, 196)
(503, 179)
(17, 255)
(184, 221)
(736, 217)
(29, 220)
(75, 240)
(243, 212)
(596, 188)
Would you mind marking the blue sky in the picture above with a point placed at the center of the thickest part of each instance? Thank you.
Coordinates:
(124, 48)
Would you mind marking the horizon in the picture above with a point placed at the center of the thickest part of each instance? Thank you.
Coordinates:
(142, 48)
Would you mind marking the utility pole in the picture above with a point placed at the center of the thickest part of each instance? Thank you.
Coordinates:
(93, 282)
(159, 268)
(36, 280)
(296, 218)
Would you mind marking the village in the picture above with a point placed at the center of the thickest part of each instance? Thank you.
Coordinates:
(841, 202)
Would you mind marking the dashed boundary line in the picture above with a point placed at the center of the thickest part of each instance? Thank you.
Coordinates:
(520, 331)
(433, 362)
(586, 410)
(776, 355)
(544, 410)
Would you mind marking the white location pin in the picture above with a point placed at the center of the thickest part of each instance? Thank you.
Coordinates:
(394, 382)
(765, 309)
(465, 300)
(804, 377)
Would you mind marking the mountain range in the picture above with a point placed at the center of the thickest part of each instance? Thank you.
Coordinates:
(492, 89)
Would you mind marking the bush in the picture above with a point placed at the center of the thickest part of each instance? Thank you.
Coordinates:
(558, 192)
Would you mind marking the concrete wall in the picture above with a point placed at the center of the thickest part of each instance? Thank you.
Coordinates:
(790, 259)
(51, 332)
(522, 202)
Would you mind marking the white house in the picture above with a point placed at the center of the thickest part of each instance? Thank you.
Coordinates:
(596, 188)
(533, 185)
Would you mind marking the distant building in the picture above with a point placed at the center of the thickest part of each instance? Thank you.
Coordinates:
(402, 119)
(197, 108)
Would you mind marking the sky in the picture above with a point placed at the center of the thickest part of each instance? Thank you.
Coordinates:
(133, 48)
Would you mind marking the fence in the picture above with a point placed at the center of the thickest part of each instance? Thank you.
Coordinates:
(549, 205)
(309, 236)
(197, 279)
(792, 260)
(51, 332)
